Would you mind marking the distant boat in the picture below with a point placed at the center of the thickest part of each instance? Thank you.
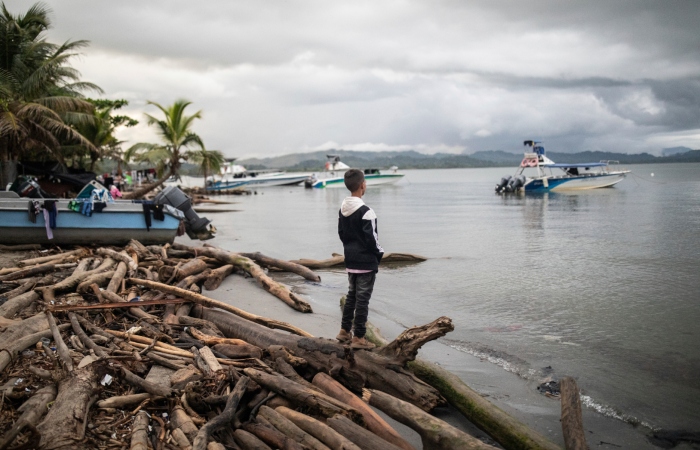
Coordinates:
(234, 176)
(334, 175)
(116, 224)
(536, 174)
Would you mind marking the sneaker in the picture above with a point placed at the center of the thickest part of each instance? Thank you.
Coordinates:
(344, 336)
(361, 343)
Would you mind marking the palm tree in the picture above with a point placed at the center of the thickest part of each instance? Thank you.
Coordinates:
(177, 137)
(210, 161)
(40, 95)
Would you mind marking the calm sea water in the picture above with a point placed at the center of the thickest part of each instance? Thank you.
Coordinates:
(601, 285)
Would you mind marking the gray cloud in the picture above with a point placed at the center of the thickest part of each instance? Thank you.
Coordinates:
(277, 77)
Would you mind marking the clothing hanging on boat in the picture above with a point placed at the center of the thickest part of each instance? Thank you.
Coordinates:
(50, 206)
(158, 213)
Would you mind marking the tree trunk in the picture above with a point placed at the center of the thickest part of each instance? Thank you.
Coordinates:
(571, 420)
(253, 269)
(223, 419)
(288, 266)
(139, 432)
(435, 433)
(32, 410)
(355, 370)
(217, 276)
(318, 430)
(138, 193)
(339, 260)
(208, 302)
(290, 430)
(373, 421)
(363, 438)
(64, 425)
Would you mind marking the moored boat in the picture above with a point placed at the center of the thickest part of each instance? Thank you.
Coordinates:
(97, 219)
(334, 173)
(536, 174)
(235, 176)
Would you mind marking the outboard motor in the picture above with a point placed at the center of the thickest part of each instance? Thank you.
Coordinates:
(31, 189)
(196, 226)
(504, 181)
(518, 182)
(309, 182)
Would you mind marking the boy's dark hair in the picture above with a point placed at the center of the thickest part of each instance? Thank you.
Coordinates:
(354, 179)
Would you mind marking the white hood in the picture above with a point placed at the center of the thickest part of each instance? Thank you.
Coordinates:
(350, 205)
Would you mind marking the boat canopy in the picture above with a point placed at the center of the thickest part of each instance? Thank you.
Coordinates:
(566, 166)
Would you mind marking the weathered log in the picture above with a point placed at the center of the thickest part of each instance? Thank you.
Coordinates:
(17, 304)
(249, 441)
(205, 360)
(355, 370)
(194, 279)
(434, 432)
(284, 368)
(20, 248)
(204, 325)
(215, 446)
(503, 428)
(61, 347)
(147, 386)
(318, 430)
(373, 421)
(571, 419)
(166, 274)
(119, 256)
(116, 281)
(21, 289)
(208, 302)
(124, 401)
(180, 419)
(139, 432)
(141, 250)
(405, 347)
(9, 351)
(271, 436)
(72, 281)
(32, 411)
(181, 440)
(81, 252)
(23, 328)
(100, 279)
(316, 401)
(287, 427)
(164, 361)
(89, 343)
(288, 266)
(256, 271)
(25, 273)
(213, 340)
(64, 425)
(217, 276)
(339, 260)
(238, 351)
(363, 438)
(226, 416)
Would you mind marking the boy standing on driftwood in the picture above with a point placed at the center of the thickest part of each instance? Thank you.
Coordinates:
(357, 228)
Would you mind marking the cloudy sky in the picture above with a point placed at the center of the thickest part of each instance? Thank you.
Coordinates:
(275, 77)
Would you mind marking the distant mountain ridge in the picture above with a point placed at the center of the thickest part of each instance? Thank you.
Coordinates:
(411, 159)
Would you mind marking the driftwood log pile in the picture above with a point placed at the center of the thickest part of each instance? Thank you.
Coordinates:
(121, 348)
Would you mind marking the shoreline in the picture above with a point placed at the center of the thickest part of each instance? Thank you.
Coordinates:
(516, 396)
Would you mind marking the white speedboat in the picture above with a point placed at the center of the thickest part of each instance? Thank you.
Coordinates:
(537, 173)
(334, 175)
(234, 176)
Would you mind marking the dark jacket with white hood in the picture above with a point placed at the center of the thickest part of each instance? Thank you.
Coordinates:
(357, 228)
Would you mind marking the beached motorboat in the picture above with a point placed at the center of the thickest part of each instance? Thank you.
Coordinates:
(94, 218)
(536, 174)
(234, 176)
(334, 173)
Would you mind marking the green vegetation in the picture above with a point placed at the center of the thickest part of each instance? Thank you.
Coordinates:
(209, 161)
(176, 136)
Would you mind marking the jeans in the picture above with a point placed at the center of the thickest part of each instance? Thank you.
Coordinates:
(360, 286)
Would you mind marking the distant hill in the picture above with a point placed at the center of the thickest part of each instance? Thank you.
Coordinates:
(315, 161)
(675, 151)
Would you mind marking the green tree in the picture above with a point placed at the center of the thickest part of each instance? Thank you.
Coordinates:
(100, 132)
(176, 134)
(40, 94)
(210, 162)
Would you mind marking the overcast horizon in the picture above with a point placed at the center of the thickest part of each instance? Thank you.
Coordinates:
(273, 78)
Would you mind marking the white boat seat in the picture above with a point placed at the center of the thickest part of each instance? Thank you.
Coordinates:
(8, 194)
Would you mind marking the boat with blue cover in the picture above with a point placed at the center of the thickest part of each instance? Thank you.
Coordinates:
(538, 173)
(94, 218)
(334, 175)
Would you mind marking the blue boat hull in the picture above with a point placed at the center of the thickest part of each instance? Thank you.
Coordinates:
(116, 225)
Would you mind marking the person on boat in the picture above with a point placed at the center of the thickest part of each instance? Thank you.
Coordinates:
(357, 228)
(114, 191)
